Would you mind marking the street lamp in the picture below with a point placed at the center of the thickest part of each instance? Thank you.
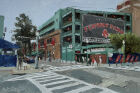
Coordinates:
(36, 59)
(123, 51)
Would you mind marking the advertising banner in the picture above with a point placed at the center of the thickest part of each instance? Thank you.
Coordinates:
(97, 29)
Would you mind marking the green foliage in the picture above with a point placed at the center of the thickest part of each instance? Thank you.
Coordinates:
(24, 32)
(132, 43)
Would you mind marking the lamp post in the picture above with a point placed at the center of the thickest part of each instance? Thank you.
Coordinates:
(36, 59)
(123, 51)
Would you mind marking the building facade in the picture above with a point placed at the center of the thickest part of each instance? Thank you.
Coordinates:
(68, 23)
(133, 7)
(1, 26)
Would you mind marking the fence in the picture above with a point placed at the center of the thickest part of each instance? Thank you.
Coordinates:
(8, 60)
(118, 58)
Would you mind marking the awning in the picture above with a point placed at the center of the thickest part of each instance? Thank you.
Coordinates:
(7, 45)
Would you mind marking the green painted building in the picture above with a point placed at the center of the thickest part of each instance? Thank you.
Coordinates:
(1, 26)
(69, 21)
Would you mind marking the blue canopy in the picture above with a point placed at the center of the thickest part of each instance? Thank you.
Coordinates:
(7, 45)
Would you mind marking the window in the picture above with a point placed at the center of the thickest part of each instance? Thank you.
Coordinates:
(128, 18)
(77, 27)
(77, 15)
(77, 39)
(67, 39)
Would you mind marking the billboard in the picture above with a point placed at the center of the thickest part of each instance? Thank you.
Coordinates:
(96, 29)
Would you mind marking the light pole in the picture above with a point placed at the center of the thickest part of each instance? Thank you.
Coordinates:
(123, 51)
(36, 59)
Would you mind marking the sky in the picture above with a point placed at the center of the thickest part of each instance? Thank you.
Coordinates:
(39, 11)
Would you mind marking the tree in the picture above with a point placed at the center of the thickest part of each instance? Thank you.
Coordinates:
(132, 43)
(24, 32)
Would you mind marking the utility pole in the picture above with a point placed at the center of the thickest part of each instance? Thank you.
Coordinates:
(36, 59)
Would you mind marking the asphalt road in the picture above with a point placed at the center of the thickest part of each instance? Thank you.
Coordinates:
(85, 75)
(20, 86)
(94, 76)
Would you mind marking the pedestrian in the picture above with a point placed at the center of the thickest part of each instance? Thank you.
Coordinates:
(93, 61)
(100, 60)
(20, 63)
(25, 63)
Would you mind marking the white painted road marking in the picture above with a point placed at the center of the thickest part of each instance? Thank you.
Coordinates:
(44, 80)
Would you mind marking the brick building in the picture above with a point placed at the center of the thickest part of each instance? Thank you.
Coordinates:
(133, 7)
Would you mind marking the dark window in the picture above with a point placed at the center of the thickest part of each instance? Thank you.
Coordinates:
(97, 14)
(77, 27)
(77, 39)
(128, 18)
(67, 39)
(77, 15)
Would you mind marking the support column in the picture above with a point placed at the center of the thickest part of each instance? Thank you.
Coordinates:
(73, 34)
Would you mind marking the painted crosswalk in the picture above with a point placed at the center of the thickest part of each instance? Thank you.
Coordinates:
(63, 68)
(51, 82)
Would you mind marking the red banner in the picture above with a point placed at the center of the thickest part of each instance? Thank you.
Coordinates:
(38, 45)
(118, 58)
(136, 59)
(132, 59)
(53, 41)
(127, 58)
(122, 59)
(45, 44)
(34, 46)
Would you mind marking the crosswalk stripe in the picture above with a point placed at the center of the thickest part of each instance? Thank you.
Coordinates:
(64, 86)
(47, 78)
(60, 77)
(84, 88)
(57, 82)
(39, 77)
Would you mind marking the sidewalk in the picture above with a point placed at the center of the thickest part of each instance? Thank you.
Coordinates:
(30, 69)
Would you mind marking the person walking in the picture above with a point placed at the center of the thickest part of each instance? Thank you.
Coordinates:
(25, 63)
(93, 61)
(100, 60)
(19, 63)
